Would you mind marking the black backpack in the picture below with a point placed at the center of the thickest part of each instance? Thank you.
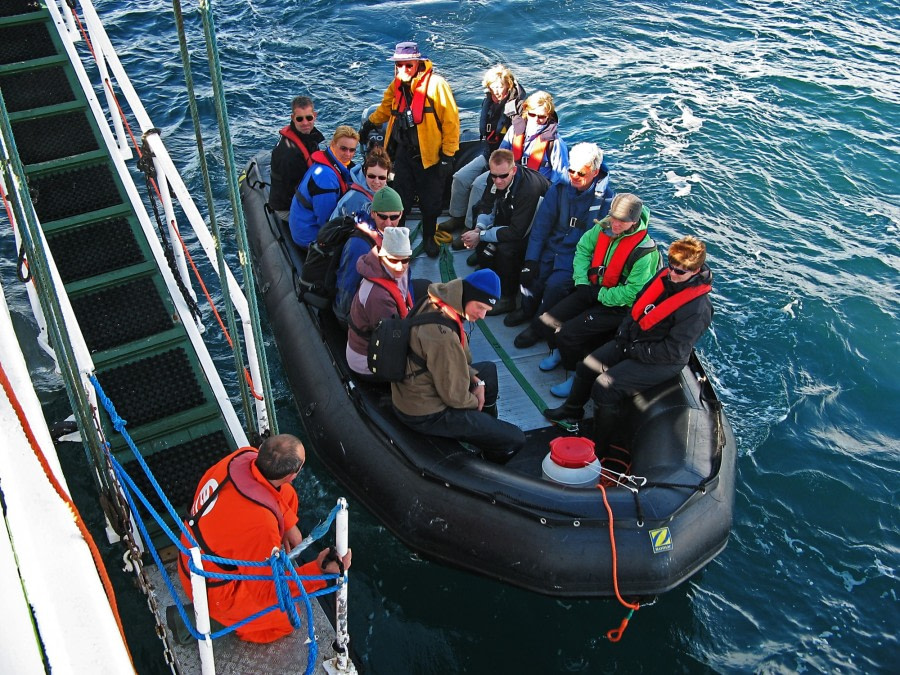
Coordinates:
(318, 279)
(389, 343)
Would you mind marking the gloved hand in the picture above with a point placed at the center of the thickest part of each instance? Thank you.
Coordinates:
(588, 292)
(364, 131)
(529, 272)
(445, 162)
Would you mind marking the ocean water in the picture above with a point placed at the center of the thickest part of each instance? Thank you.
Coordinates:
(769, 130)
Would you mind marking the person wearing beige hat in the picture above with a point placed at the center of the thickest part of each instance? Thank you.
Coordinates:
(613, 261)
(383, 292)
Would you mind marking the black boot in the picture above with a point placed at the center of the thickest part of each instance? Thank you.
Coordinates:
(573, 408)
(429, 225)
(564, 413)
(606, 417)
(527, 337)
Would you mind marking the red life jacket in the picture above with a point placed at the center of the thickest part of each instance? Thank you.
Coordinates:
(321, 157)
(360, 188)
(404, 304)
(420, 96)
(616, 265)
(538, 150)
(239, 475)
(289, 133)
(647, 314)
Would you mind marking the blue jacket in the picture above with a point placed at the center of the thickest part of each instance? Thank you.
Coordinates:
(348, 278)
(554, 237)
(320, 189)
(354, 200)
(555, 163)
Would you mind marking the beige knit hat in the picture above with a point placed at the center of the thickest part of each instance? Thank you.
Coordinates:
(396, 243)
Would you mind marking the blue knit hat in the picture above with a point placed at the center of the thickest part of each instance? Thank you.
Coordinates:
(483, 286)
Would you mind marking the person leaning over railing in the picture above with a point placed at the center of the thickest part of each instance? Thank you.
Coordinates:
(244, 508)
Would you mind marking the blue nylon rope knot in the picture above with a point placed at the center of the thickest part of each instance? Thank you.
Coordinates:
(281, 571)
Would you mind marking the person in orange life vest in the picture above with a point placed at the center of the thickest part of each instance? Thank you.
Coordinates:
(534, 140)
(322, 186)
(422, 134)
(653, 342)
(244, 508)
(385, 210)
(613, 260)
(504, 98)
(442, 394)
(503, 223)
(383, 292)
(292, 155)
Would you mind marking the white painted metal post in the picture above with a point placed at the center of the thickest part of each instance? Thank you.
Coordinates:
(69, 14)
(341, 663)
(201, 616)
(169, 214)
(262, 414)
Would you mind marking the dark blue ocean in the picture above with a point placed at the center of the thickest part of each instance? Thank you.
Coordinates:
(769, 130)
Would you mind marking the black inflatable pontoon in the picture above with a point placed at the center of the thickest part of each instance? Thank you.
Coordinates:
(506, 522)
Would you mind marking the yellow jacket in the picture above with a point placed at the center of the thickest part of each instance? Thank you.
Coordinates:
(439, 130)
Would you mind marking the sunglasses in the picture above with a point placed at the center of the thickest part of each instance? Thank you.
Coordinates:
(580, 174)
(394, 261)
(308, 118)
(500, 176)
(393, 218)
(678, 270)
(375, 176)
(411, 65)
(539, 117)
(344, 148)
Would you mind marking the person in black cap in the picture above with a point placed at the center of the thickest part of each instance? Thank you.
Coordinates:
(422, 134)
(449, 397)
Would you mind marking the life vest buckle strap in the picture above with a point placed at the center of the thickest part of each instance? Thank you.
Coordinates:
(649, 308)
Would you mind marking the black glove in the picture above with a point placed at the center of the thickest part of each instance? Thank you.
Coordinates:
(364, 131)
(588, 292)
(528, 273)
(445, 162)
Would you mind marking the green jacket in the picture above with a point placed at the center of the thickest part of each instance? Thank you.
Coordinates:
(447, 381)
(639, 269)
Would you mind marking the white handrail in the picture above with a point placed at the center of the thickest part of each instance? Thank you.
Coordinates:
(167, 171)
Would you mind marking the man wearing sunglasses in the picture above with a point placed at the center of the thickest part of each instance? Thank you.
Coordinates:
(568, 210)
(653, 342)
(292, 155)
(504, 221)
(244, 508)
(422, 134)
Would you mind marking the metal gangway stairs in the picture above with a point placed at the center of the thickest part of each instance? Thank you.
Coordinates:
(132, 309)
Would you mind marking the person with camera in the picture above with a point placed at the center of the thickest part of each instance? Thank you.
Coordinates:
(422, 134)
(613, 261)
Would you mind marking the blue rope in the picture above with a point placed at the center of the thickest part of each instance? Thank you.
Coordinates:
(280, 563)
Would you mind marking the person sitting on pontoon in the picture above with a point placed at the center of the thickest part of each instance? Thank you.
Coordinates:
(322, 186)
(292, 155)
(653, 342)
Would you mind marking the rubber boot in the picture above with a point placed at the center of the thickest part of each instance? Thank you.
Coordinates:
(429, 225)
(573, 408)
(606, 416)
(551, 361)
(563, 389)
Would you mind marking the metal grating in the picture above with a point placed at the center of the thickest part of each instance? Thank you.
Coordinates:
(153, 388)
(16, 7)
(25, 42)
(72, 192)
(95, 248)
(36, 88)
(120, 314)
(179, 468)
(47, 138)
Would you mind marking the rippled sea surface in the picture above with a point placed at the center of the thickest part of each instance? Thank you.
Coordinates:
(766, 128)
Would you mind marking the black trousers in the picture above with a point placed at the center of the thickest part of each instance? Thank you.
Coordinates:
(412, 180)
(586, 325)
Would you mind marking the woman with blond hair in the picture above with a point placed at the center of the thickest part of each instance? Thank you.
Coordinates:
(503, 100)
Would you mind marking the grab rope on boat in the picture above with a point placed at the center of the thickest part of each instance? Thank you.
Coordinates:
(615, 634)
(280, 563)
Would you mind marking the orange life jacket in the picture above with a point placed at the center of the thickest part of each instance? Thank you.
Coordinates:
(420, 97)
(648, 314)
(289, 133)
(616, 265)
(538, 149)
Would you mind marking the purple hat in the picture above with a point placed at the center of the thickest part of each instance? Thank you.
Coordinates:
(406, 51)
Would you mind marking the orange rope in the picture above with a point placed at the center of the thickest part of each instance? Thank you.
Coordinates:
(83, 32)
(89, 540)
(615, 634)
